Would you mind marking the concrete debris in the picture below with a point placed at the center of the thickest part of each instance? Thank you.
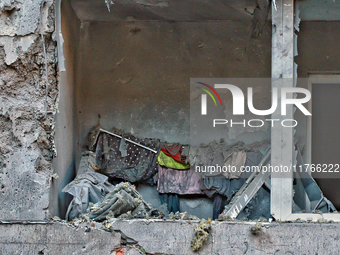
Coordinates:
(182, 216)
(255, 230)
(11, 44)
(201, 234)
(55, 176)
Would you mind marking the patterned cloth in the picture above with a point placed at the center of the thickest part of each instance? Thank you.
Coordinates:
(125, 160)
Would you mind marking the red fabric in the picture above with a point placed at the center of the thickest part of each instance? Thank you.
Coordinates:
(174, 151)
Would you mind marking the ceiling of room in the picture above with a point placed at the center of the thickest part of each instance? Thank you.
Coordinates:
(193, 10)
(171, 10)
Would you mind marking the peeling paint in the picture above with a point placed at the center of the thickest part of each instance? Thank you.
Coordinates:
(23, 16)
(26, 148)
(12, 43)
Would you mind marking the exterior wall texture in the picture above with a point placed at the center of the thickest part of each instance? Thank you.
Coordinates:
(26, 140)
(167, 237)
(27, 149)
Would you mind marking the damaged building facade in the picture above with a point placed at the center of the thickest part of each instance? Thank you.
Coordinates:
(96, 123)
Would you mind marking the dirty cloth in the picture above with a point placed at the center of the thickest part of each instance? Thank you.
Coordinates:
(171, 200)
(207, 155)
(222, 154)
(218, 154)
(172, 150)
(236, 160)
(122, 199)
(123, 148)
(228, 187)
(219, 202)
(221, 185)
(87, 162)
(85, 188)
(182, 182)
(170, 162)
(93, 136)
(139, 163)
(176, 151)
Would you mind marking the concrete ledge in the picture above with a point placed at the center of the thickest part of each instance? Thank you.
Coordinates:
(174, 237)
(170, 237)
(55, 238)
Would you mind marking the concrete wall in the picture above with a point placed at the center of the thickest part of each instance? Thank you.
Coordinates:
(166, 237)
(27, 131)
(66, 125)
(55, 239)
(136, 74)
(234, 238)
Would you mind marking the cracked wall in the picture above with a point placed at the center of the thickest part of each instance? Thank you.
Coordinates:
(26, 142)
(27, 149)
(168, 55)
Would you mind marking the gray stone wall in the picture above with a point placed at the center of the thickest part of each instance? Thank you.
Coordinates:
(26, 113)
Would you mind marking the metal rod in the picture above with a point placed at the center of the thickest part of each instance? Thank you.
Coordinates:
(104, 131)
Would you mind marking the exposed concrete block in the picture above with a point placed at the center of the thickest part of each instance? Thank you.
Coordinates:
(22, 17)
(26, 143)
(170, 237)
(55, 238)
(233, 237)
(12, 43)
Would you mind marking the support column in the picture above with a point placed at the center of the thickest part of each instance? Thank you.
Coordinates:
(282, 137)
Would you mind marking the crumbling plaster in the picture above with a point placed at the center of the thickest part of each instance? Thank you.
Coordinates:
(169, 237)
(27, 149)
(26, 141)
